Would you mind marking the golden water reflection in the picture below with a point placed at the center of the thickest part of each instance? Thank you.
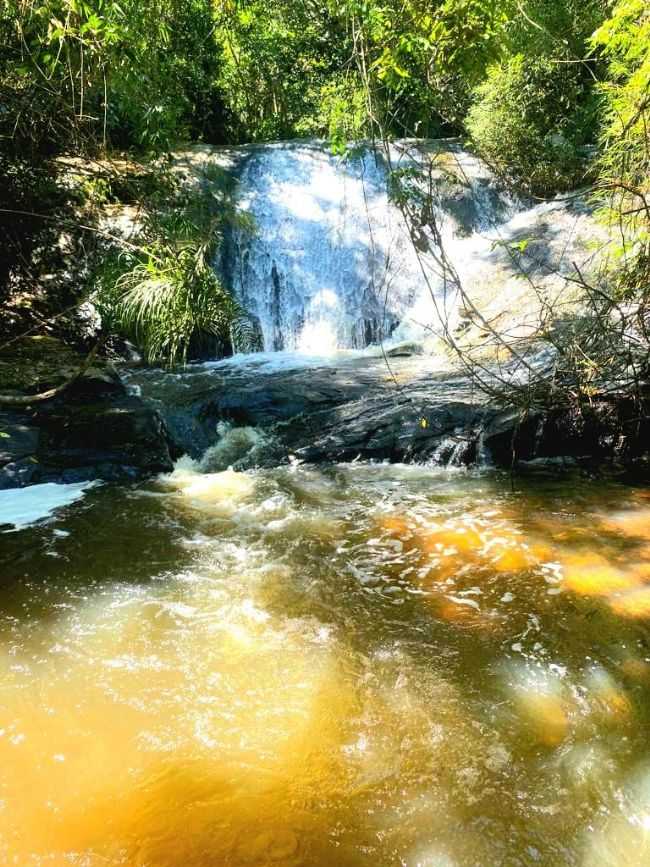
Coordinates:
(357, 666)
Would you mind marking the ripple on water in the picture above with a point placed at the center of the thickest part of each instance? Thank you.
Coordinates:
(359, 665)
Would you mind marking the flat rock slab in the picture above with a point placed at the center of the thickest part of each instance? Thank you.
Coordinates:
(373, 408)
(364, 407)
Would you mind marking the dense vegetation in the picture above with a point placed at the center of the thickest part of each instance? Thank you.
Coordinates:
(554, 94)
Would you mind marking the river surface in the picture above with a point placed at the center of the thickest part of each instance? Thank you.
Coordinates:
(356, 665)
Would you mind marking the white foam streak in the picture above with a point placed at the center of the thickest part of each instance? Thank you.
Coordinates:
(22, 507)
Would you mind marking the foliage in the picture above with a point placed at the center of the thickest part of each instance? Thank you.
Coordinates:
(298, 68)
(84, 72)
(624, 165)
(343, 112)
(162, 293)
(169, 300)
(537, 107)
(529, 120)
(31, 192)
(276, 59)
(419, 60)
(560, 29)
(82, 76)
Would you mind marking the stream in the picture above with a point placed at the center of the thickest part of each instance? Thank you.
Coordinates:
(356, 664)
(332, 635)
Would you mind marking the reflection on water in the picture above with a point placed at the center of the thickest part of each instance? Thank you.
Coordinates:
(363, 665)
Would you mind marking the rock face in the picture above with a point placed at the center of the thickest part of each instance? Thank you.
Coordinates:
(368, 408)
(94, 430)
(334, 412)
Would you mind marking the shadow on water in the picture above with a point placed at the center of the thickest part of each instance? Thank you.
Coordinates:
(115, 534)
(556, 671)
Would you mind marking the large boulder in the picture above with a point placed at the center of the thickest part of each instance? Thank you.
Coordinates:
(94, 429)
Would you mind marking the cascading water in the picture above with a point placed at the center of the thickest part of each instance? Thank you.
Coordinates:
(328, 262)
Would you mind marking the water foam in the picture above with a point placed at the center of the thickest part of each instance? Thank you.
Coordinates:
(22, 507)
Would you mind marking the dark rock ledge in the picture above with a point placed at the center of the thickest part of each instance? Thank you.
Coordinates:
(95, 429)
(358, 409)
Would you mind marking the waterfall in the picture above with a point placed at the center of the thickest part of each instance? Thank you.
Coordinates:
(323, 259)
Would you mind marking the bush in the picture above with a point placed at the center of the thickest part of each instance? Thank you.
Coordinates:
(162, 293)
(343, 112)
(529, 120)
(168, 302)
(624, 162)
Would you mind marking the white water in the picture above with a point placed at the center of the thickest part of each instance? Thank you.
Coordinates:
(326, 261)
(25, 506)
(329, 262)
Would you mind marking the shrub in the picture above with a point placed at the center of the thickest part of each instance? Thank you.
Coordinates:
(343, 112)
(168, 302)
(529, 120)
(624, 163)
(162, 293)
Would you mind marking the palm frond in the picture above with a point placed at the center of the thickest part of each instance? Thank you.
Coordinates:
(169, 300)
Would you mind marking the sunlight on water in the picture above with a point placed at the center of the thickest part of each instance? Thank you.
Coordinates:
(364, 665)
(319, 338)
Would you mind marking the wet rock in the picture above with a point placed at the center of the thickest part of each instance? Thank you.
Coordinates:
(405, 350)
(118, 434)
(508, 435)
(92, 430)
(362, 408)
(548, 466)
(329, 413)
(17, 438)
(382, 428)
(17, 474)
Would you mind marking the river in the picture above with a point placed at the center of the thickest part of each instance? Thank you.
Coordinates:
(356, 664)
(289, 653)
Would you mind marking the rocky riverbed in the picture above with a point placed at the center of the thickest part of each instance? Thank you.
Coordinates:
(370, 407)
(269, 409)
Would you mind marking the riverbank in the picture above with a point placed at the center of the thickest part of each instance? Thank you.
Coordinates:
(91, 428)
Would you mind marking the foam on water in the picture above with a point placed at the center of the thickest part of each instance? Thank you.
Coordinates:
(21, 507)
(354, 665)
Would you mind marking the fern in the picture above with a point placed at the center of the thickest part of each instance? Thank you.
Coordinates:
(171, 299)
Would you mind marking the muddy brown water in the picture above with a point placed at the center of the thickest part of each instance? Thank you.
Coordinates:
(354, 665)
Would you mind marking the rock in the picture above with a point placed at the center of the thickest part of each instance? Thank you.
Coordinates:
(357, 408)
(328, 413)
(507, 434)
(18, 474)
(35, 364)
(17, 439)
(547, 466)
(405, 350)
(119, 434)
(94, 429)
